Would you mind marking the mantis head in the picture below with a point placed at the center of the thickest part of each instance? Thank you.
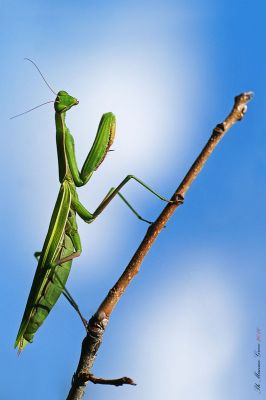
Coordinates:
(64, 102)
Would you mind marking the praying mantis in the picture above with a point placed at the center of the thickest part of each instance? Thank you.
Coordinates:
(62, 243)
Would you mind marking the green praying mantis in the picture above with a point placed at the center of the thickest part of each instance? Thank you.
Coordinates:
(62, 243)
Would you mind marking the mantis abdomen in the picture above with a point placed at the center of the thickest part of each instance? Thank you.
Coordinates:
(54, 280)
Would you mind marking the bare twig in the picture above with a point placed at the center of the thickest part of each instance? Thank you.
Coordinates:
(84, 377)
(99, 321)
(115, 382)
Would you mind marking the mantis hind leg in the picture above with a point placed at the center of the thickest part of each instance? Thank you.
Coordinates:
(75, 238)
(72, 233)
(71, 300)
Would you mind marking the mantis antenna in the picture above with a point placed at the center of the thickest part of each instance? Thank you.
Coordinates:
(31, 109)
(38, 69)
(40, 105)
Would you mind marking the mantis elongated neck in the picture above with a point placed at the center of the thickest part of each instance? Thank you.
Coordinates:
(60, 143)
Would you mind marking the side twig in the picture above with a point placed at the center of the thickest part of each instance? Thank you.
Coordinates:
(115, 382)
(100, 319)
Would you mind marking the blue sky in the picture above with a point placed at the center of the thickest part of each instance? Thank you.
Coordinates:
(169, 70)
